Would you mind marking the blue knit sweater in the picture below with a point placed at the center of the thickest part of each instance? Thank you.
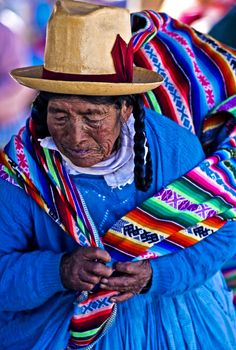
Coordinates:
(36, 308)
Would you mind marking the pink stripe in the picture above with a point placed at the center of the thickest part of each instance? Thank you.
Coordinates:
(201, 179)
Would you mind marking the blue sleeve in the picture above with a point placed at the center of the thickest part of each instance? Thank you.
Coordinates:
(190, 268)
(28, 277)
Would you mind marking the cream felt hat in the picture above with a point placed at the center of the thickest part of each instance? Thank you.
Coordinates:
(88, 52)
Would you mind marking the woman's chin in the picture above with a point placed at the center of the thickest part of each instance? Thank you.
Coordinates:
(84, 162)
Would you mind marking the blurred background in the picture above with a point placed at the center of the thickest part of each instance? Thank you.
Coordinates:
(22, 38)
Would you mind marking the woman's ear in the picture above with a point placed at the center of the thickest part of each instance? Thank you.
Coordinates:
(126, 111)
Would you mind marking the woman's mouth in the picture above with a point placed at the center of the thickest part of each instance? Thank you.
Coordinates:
(79, 153)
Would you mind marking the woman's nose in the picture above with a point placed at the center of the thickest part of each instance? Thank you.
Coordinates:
(77, 132)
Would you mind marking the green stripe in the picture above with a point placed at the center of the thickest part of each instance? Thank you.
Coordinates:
(197, 196)
(54, 171)
(162, 210)
(231, 110)
(86, 334)
(51, 167)
(231, 277)
(149, 37)
(189, 190)
(229, 214)
(12, 174)
(82, 227)
(57, 174)
(153, 101)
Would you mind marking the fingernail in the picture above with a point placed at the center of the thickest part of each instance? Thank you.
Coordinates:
(113, 300)
(102, 285)
(104, 280)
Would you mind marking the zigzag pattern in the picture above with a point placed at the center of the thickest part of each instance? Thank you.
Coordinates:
(95, 304)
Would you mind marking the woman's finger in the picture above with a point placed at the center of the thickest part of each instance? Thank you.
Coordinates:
(98, 269)
(122, 297)
(133, 268)
(91, 279)
(96, 254)
(127, 267)
(124, 283)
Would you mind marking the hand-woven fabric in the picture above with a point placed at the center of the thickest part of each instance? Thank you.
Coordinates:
(199, 74)
(180, 215)
(154, 229)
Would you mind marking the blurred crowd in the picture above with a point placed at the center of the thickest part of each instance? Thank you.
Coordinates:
(23, 26)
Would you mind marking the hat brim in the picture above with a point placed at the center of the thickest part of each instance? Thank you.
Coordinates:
(144, 80)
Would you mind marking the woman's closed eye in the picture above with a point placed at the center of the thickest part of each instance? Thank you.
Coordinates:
(61, 119)
(92, 121)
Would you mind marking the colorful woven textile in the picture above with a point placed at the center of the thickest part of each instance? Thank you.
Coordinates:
(182, 214)
(199, 73)
(154, 229)
(177, 217)
(41, 174)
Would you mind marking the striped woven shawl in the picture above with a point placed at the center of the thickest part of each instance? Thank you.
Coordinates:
(199, 74)
(196, 69)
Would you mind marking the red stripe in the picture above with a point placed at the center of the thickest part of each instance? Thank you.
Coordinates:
(98, 78)
(90, 322)
(182, 240)
(178, 79)
(145, 219)
(162, 95)
(129, 247)
(83, 342)
(215, 222)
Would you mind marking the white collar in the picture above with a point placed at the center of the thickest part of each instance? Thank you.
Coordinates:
(118, 169)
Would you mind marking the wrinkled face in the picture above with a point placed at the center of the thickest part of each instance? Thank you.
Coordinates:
(85, 132)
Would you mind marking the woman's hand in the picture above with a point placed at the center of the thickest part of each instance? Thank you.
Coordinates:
(129, 279)
(83, 269)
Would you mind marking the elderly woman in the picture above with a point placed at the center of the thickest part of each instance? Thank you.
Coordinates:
(89, 154)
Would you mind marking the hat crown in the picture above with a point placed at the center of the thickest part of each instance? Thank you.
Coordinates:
(81, 43)
(80, 37)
